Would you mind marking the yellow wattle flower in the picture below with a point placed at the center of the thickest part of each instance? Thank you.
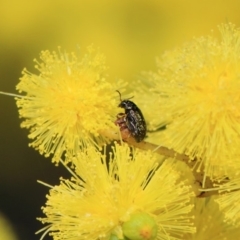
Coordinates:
(105, 191)
(68, 103)
(198, 87)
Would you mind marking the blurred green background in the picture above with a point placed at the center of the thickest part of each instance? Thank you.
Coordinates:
(130, 34)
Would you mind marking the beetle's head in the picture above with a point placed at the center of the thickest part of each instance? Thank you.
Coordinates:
(126, 104)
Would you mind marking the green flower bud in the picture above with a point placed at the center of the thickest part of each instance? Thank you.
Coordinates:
(140, 226)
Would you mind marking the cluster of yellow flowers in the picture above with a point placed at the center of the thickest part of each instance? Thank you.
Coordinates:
(192, 110)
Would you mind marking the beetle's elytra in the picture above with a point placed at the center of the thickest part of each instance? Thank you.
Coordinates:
(132, 119)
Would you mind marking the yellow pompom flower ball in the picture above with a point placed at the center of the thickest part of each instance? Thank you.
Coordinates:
(198, 87)
(128, 194)
(68, 103)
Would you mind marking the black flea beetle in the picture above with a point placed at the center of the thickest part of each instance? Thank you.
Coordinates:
(132, 119)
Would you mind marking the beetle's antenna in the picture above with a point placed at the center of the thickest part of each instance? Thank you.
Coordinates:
(131, 97)
(119, 95)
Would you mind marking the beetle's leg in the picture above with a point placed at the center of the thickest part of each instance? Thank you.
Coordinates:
(121, 122)
(121, 115)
